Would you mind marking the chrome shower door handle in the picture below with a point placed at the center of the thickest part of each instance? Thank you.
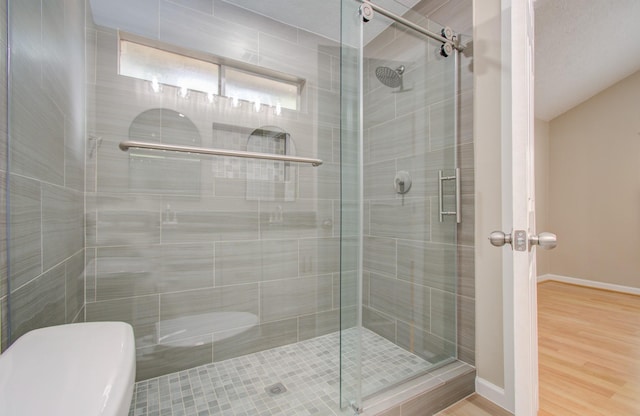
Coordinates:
(547, 241)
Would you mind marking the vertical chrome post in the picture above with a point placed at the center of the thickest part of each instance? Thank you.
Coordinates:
(440, 199)
(442, 212)
(458, 198)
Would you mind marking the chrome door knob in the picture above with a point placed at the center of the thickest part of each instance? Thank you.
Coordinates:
(546, 241)
(498, 238)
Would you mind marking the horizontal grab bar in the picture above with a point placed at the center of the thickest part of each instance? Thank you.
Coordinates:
(126, 145)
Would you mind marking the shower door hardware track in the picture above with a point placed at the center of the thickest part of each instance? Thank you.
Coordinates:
(441, 179)
(414, 26)
(126, 145)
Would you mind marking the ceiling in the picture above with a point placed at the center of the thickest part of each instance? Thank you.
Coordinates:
(581, 48)
(320, 17)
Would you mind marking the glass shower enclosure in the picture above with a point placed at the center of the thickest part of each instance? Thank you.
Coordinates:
(266, 191)
(400, 202)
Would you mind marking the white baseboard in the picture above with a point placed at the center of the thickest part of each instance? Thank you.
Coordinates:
(492, 393)
(589, 283)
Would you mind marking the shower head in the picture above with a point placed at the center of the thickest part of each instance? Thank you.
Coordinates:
(390, 77)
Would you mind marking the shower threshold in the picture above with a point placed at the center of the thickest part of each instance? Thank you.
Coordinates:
(308, 369)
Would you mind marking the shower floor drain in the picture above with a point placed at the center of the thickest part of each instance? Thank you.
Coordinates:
(275, 389)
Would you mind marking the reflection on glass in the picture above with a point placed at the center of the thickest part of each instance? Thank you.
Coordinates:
(152, 171)
(163, 67)
(258, 89)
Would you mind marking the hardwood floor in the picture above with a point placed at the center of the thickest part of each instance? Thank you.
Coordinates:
(474, 405)
(589, 355)
(589, 351)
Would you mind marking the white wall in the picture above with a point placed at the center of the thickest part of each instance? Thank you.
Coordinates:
(541, 129)
(594, 187)
(487, 130)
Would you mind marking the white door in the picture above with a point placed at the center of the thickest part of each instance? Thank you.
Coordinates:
(519, 268)
(524, 301)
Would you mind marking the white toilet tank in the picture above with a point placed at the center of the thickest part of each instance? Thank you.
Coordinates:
(85, 369)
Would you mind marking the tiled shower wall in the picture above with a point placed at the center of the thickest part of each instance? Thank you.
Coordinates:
(203, 258)
(418, 271)
(46, 175)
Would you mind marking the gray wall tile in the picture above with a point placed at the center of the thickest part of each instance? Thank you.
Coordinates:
(288, 298)
(209, 219)
(142, 270)
(429, 264)
(122, 220)
(443, 315)
(196, 31)
(39, 303)
(264, 336)
(345, 289)
(379, 323)
(48, 118)
(255, 261)
(194, 303)
(424, 344)
(230, 12)
(466, 329)
(379, 180)
(74, 277)
(26, 236)
(319, 256)
(142, 313)
(300, 219)
(90, 274)
(401, 218)
(141, 17)
(401, 137)
(203, 6)
(380, 255)
(62, 224)
(37, 148)
(401, 300)
(318, 324)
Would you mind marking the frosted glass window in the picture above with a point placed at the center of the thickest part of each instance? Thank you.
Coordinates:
(168, 68)
(256, 88)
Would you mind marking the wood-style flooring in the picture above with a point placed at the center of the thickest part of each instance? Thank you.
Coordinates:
(474, 405)
(589, 351)
(589, 355)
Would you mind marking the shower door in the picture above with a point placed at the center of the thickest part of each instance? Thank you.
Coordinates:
(399, 115)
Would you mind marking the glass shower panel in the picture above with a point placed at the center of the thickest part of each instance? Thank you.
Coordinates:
(210, 257)
(409, 261)
(351, 207)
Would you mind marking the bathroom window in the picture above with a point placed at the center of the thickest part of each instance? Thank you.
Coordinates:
(259, 89)
(163, 64)
(163, 67)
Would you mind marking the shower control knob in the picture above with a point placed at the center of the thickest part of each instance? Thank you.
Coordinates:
(366, 11)
(402, 182)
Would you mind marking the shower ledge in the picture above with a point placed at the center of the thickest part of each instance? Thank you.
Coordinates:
(431, 392)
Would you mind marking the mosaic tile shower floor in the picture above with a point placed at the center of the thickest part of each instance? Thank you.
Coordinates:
(308, 369)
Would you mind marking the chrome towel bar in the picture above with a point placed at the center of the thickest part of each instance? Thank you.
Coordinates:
(126, 145)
